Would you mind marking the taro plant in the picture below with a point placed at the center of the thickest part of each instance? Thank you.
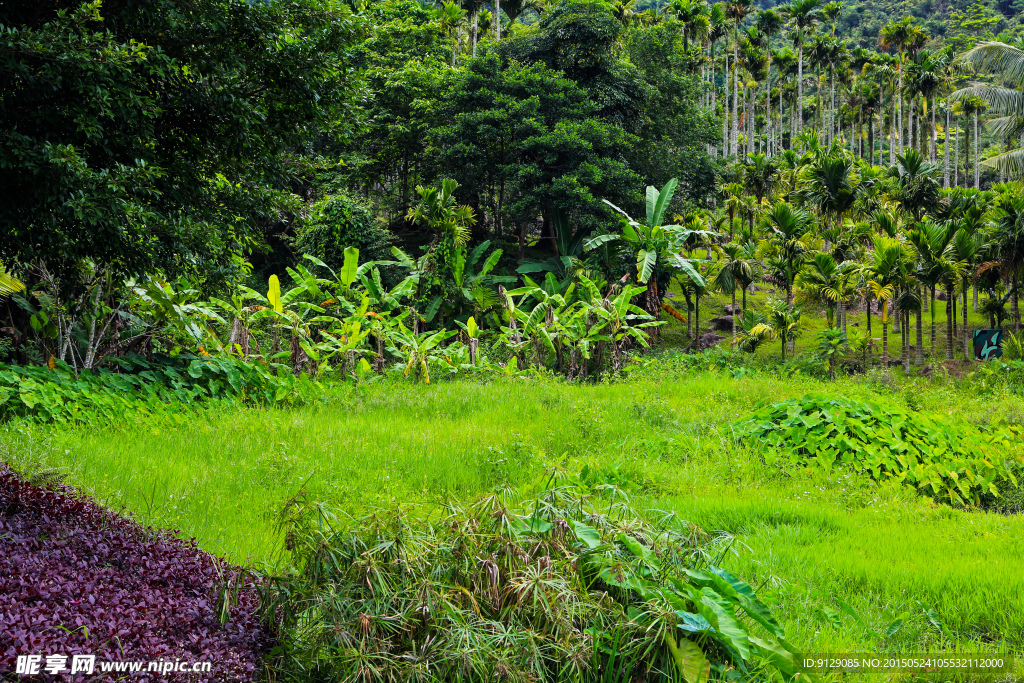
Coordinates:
(952, 461)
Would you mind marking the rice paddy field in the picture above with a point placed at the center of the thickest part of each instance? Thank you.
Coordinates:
(846, 564)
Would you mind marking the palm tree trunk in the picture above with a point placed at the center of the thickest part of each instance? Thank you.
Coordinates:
(945, 156)
(920, 340)
(867, 299)
(734, 145)
(934, 135)
(956, 156)
(800, 87)
(892, 133)
(476, 29)
(497, 19)
(967, 338)
(653, 304)
(977, 167)
(949, 322)
(696, 314)
(725, 119)
(899, 104)
(733, 316)
(885, 337)
(906, 342)
(932, 346)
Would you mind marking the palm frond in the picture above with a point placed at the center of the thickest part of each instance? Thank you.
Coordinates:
(995, 57)
(8, 283)
(1011, 163)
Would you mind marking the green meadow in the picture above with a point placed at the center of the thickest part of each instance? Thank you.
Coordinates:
(847, 564)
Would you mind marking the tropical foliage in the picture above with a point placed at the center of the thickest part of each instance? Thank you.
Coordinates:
(953, 462)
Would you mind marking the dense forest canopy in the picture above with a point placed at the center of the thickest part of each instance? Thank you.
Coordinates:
(470, 159)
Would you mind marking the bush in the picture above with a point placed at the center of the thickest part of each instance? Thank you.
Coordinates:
(950, 460)
(136, 385)
(562, 587)
(342, 220)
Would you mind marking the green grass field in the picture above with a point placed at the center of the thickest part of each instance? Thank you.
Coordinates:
(918, 576)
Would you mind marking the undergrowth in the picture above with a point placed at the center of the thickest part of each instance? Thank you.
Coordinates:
(137, 386)
(952, 461)
(570, 584)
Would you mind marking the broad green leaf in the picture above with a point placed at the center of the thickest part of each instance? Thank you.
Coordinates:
(747, 599)
(587, 534)
(719, 612)
(691, 659)
(348, 271)
(274, 294)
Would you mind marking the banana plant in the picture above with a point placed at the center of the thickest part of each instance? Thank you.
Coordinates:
(656, 246)
(345, 337)
(417, 350)
(241, 339)
(177, 315)
(472, 292)
(625, 321)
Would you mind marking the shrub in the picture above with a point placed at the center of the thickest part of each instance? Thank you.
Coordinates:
(78, 579)
(340, 221)
(950, 460)
(562, 587)
(136, 385)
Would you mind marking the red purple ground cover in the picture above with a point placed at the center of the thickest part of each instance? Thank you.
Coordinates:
(78, 579)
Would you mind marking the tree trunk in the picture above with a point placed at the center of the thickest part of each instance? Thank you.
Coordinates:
(906, 343)
(899, 106)
(800, 88)
(977, 167)
(725, 118)
(734, 143)
(653, 304)
(934, 135)
(966, 333)
(949, 322)
(867, 299)
(919, 341)
(945, 156)
(885, 337)
(696, 315)
(733, 316)
(892, 134)
(497, 19)
(932, 346)
(956, 157)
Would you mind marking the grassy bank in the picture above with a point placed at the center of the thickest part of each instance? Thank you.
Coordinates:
(847, 563)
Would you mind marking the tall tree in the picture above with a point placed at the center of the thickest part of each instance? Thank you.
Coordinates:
(160, 135)
(736, 10)
(769, 24)
(1005, 101)
(804, 14)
